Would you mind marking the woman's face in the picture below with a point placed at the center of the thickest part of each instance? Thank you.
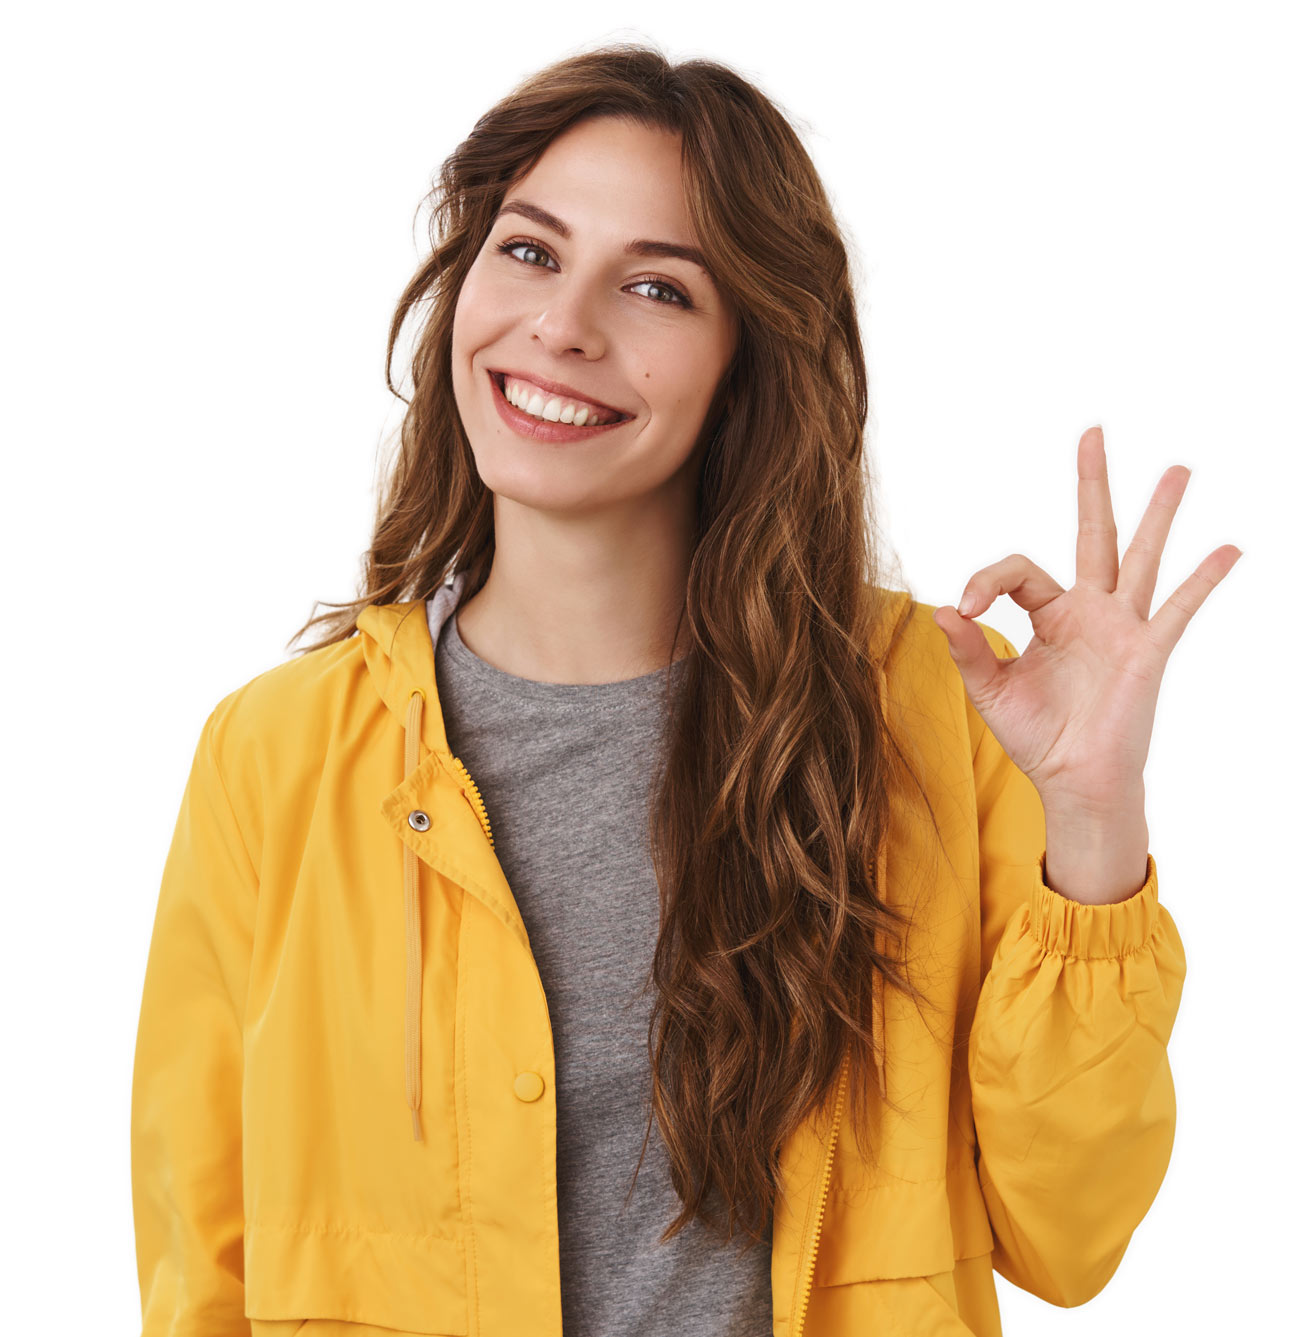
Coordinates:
(647, 334)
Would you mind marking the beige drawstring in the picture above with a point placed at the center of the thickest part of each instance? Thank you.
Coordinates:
(414, 953)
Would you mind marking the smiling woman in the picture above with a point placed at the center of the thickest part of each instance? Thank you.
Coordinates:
(605, 830)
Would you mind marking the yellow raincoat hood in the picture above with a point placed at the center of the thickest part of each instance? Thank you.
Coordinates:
(292, 999)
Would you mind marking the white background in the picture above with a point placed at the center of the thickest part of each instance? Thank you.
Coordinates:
(1060, 215)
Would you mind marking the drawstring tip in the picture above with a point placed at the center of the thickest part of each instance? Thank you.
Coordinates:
(415, 1125)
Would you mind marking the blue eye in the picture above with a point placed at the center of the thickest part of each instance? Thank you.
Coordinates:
(679, 297)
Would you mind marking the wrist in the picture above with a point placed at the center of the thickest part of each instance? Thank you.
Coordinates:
(1095, 859)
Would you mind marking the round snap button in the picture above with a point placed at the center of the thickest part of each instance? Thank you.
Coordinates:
(418, 819)
(529, 1085)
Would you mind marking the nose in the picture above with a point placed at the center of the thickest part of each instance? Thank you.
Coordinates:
(569, 319)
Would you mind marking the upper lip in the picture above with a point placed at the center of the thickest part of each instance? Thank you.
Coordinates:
(558, 388)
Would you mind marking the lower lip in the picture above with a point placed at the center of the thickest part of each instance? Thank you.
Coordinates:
(541, 429)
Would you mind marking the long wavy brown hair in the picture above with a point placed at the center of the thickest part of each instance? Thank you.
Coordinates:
(778, 773)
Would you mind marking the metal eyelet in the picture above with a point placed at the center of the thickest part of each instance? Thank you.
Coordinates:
(418, 820)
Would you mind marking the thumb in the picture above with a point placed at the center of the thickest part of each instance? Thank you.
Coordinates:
(974, 656)
(956, 630)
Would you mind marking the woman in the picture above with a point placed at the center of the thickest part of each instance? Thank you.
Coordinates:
(674, 788)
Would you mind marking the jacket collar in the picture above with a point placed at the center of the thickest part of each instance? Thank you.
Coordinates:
(398, 640)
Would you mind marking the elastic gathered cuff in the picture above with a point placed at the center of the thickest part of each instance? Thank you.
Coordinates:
(1075, 929)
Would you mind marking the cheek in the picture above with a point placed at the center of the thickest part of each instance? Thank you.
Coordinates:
(479, 304)
(466, 316)
(682, 380)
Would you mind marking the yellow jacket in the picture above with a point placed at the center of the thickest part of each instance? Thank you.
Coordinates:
(343, 1110)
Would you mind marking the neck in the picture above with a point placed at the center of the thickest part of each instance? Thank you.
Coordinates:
(564, 605)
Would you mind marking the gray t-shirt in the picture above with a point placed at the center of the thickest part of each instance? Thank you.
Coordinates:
(564, 771)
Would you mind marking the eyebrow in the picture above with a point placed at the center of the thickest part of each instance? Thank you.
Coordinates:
(662, 250)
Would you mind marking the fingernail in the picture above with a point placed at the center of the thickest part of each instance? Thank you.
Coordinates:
(967, 603)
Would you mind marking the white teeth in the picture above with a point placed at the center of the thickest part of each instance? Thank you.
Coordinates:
(554, 409)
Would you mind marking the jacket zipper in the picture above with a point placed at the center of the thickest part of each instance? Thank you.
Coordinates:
(805, 1291)
(476, 800)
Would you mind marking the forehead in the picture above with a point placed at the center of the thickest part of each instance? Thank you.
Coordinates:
(611, 179)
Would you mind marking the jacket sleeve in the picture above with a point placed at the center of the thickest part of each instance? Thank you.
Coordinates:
(1071, 1087)
(186, 1134)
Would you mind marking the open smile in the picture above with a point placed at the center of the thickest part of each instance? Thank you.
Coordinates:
(542, 429)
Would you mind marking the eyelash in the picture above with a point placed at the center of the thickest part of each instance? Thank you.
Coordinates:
(682, 300)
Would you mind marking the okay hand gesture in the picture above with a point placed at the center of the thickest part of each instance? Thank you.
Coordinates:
(1075, 711)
